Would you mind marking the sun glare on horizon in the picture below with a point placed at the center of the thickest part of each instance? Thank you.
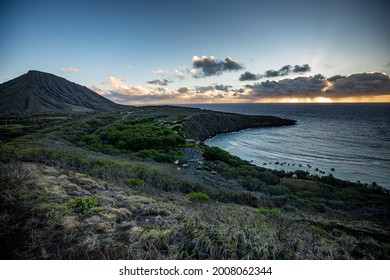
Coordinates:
(321, 99)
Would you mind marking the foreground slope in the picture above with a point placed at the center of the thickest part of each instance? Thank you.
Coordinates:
(38, 93)
(78, 188)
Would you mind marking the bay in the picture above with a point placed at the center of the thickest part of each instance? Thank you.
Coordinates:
(351, 139)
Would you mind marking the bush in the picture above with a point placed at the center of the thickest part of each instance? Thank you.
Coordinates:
(135, 137)
(198, 197)
(214, 153)
(274, 211)
(81, 206)
(159, 156)
(135, 182)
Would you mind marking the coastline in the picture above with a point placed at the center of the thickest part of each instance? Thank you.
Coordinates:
(290, 173)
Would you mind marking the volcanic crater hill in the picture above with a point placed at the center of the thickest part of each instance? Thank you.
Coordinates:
(39, 93)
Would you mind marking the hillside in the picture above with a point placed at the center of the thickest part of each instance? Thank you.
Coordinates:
(39, 93)
(138, 184)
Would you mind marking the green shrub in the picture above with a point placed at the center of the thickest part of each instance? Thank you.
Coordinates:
(198, 197)
(81, 206)
(274, 211)
(137, 137)
(214, 153)
(135, 182)
(159, 156)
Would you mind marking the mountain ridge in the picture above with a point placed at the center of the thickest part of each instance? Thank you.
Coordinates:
(40, 93)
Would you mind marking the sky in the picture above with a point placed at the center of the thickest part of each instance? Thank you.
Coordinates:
(179, 52)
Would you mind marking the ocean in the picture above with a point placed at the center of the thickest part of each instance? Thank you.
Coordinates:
(350, 141)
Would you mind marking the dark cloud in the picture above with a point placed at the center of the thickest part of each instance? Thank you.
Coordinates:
(238, 92)
(336, 77)
(270, 74)
(298, 87)
(301, 69)
(248, 76)
(160, 82)
(183, 90)
(230, 65)
(203, 89)
(284, 71)
(210, 66)
(222, 88)
(361, 84)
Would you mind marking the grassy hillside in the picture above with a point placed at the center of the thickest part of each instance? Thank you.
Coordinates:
(140, 185)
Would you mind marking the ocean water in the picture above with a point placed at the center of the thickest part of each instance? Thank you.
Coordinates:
(352, 139)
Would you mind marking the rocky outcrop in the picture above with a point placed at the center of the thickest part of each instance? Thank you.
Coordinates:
(208, 123)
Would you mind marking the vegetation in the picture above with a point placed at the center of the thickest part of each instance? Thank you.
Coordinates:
(82, 206)
(143, 137)
(198, 197)
(106, 187)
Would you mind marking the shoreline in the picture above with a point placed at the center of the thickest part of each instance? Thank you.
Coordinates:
(312, 175)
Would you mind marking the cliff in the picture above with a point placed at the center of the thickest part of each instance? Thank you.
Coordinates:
(209, 124)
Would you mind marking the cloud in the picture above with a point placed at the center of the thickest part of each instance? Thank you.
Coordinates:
(301, 86)
(203, 89)
(210, 66)
(120, 92)
(335, 78)
(181, 72)
(160, 72)
(284, 71)
(248, 76)
(183, 90)
(355, 85)
(224, 88)
(387, 65)
(305, 88)
(180, 75)
(195, 73)
(301, 69)
(361, 84)
(160, 82)
(213, 88)
(153, 97)
(119, 85)
(69, 70)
